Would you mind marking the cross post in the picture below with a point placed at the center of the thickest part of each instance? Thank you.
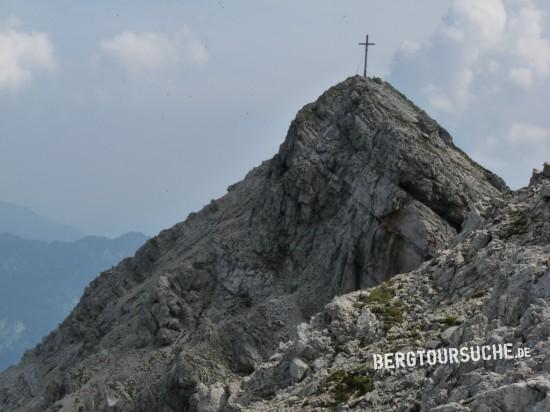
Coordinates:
(366, 44)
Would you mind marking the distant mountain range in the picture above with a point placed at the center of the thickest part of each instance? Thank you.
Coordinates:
(40, 282)
(25, 223)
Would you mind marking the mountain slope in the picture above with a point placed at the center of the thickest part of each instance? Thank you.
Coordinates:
(491, 287)
(41, 282)
(24, 223)
(365, 186)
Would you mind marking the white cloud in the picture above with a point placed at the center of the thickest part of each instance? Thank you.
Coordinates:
(409, 47)
(23, 55)
(140, 52)
(477, 46)
(456, 93)
(526, 37)
(484, 20)
(527, 133)
(485, 71)
(522, 76)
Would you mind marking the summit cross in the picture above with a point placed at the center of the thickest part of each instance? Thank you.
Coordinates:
(366, 44)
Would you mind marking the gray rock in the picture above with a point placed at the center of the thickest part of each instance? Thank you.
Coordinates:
(447, 334)
(498, 293)
(365, 186)
(298, 369)
(451, 407)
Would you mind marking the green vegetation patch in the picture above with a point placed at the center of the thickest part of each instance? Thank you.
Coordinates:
(380, 295)
(519, 226)
(391, 314)
(344, 385)
(380, 303)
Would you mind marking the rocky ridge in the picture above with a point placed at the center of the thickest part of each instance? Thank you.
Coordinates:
(365, 186)
(491, 287)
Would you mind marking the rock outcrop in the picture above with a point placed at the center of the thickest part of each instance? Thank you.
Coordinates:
(492, 286)
(209, 315)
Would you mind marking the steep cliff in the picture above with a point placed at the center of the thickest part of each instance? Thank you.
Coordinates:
(365, 186)
(492, 287)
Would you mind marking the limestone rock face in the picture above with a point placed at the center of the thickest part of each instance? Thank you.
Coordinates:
(492, 285)
(212, 314)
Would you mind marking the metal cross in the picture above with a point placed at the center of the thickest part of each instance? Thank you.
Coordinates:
(366, 44)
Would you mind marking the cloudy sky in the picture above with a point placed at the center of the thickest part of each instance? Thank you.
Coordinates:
(127, 115)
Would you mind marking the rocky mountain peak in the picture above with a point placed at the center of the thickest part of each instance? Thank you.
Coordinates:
(365, 123)
(365, 186)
